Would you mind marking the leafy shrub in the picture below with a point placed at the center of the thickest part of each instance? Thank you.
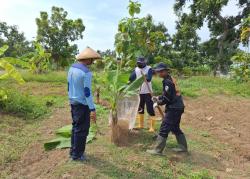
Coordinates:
(24, 106)
(187, 71)
(241, 67)
(201, 70)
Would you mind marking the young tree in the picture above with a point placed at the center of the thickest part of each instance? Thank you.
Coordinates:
(15, 40)
(140, 36)
(56, 34)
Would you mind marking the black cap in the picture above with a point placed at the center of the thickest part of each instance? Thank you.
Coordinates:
(161, 66)
(141, 60)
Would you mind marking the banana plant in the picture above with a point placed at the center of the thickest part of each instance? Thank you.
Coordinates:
(38, 61)
(9, 71)
(118, 87)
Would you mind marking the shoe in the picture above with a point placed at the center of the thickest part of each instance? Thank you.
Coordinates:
(140, 119)
(182, 144)
(152, 124)
(81, 159)
(159, 147)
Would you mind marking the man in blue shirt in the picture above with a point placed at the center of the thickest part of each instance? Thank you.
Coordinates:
(81, 101)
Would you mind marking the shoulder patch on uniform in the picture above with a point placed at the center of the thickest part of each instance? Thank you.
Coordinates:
(87, 92)
(166, 88)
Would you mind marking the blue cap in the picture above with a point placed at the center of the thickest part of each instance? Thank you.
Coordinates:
(161, 66)
(141, 60)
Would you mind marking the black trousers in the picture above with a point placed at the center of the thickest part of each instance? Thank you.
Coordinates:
(171, 123)
(146, 99)
(80, 129)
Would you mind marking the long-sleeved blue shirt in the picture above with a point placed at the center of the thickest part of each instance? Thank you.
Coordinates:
(79, 85)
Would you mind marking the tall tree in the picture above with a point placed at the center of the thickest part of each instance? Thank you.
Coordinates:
(15, 40)
(186, 42)
(56, 34)
(223, 28)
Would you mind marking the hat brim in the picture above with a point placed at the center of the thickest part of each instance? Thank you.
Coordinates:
(93, 59)
(88, 54)
(160, 69)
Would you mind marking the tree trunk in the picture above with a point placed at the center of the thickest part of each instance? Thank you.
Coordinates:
(221, 39)
(98, 95)
(119, 130)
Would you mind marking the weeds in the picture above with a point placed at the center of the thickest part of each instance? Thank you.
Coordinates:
(29, 107)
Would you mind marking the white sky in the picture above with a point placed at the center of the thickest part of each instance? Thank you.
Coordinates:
(100, 17)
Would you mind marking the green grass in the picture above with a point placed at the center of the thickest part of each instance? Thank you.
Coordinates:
(55, 76)
(207, 85)
(15, 136)
(37, 97)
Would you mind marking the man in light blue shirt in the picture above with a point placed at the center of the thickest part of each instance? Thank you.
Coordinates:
(81, 101)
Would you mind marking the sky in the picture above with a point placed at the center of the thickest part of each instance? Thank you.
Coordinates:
(100, 17)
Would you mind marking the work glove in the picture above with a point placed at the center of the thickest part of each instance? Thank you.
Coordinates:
(155, 99)
(155, 105)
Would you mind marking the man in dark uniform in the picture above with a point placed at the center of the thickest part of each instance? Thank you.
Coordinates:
(174, 109)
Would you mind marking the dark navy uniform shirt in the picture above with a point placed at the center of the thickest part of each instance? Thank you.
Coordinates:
(169, 96)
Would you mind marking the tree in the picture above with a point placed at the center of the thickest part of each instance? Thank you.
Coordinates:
(223, 29)
(140, 36)
(186, 42)
(15, 40)
(56, 34)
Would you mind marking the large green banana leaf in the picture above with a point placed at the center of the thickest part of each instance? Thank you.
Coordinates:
(63, 139)
(10, 72)
(15, 61)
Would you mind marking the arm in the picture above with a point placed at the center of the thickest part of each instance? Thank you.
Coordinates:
(149, 75)
(132, 77)
(87, 91)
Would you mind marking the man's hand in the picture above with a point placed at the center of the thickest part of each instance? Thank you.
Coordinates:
(93, 116)
(155, 99)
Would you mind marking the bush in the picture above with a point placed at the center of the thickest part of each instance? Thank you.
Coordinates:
(24, 106)
(201, 70)
(187, 71)
(241, 66)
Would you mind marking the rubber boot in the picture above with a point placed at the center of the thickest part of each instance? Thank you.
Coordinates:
(151, 124)
(182, 143)
(159, 147)
(140, 119)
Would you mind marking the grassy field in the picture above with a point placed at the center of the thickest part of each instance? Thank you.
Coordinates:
(44, 94)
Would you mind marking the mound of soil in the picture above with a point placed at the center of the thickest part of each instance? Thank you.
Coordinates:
(120, 132)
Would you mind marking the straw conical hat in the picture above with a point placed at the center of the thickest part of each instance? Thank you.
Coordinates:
(88, 53)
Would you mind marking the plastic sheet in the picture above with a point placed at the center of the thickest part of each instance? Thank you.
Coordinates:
(127, 109)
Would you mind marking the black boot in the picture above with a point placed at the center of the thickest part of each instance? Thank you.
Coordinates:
(159, 147)
(182, 143)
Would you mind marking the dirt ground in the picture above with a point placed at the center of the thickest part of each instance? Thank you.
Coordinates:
(226, 122)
